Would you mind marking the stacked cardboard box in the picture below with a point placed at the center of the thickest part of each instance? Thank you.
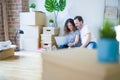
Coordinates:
(32, 24)
(48, 37)
(33, 18)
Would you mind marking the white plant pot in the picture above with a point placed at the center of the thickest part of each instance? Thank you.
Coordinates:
(51, 24)
(31, 9)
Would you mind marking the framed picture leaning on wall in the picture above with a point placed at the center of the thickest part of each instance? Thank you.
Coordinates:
(111, 13)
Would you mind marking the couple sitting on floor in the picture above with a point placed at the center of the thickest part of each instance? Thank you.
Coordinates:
(78, 34)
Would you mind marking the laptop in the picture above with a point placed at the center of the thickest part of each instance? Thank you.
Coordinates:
(61, 40)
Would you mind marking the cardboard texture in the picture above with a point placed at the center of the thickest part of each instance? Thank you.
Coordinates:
(47, 46)
(77, 64)
(51, 30)
(32, 35)
(30, 44)
(31, 31)
(47, 38)
(6, 53)
(33, 18)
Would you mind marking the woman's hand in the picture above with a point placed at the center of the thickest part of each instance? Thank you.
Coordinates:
(71, 44)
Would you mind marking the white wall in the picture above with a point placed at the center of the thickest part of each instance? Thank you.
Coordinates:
(112, 3)
(91, 10)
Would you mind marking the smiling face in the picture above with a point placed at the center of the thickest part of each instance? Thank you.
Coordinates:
(78, 23)
(70, 26)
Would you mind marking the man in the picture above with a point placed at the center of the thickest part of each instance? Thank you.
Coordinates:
(87, 39)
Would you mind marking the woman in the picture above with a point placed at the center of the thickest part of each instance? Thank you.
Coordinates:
(72, 34)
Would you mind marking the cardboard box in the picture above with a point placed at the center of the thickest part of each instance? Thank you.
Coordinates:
(47, 38)
(47, 46)
(33, 18)
(31, 38)
(29, 44)
(77, 64)
(6, 53)
(51, 30)
(31, 31)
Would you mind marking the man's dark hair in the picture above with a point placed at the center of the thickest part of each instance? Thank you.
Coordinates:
(79, 18)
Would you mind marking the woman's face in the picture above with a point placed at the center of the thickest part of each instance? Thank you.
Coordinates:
(70, 26)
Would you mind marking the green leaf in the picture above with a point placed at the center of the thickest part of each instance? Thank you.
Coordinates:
(107, 30)
(56, 6)
(62, 4)
(51, 5)
(32, 5)
(51, 20)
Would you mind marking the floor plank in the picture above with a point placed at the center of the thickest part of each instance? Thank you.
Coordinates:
(23, 66)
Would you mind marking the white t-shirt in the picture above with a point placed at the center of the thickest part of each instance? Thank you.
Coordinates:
(83, 33)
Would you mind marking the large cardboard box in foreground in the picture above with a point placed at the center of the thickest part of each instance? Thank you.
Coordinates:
(77, 64)
(6, 53)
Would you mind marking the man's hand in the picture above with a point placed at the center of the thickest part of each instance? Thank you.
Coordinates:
(82, 46)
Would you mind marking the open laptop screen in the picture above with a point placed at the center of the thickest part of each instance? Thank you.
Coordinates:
(61, 40)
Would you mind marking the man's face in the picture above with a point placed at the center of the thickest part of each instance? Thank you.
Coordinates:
(77, 23)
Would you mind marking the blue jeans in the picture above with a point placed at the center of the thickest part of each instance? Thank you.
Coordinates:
(91, 45)
(62, 46)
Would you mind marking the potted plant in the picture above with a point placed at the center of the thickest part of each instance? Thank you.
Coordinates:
(55, 7)
(32, 6)
(108, 46)
(51, 22)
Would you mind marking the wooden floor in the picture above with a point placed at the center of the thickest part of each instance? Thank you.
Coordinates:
(22, 66)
